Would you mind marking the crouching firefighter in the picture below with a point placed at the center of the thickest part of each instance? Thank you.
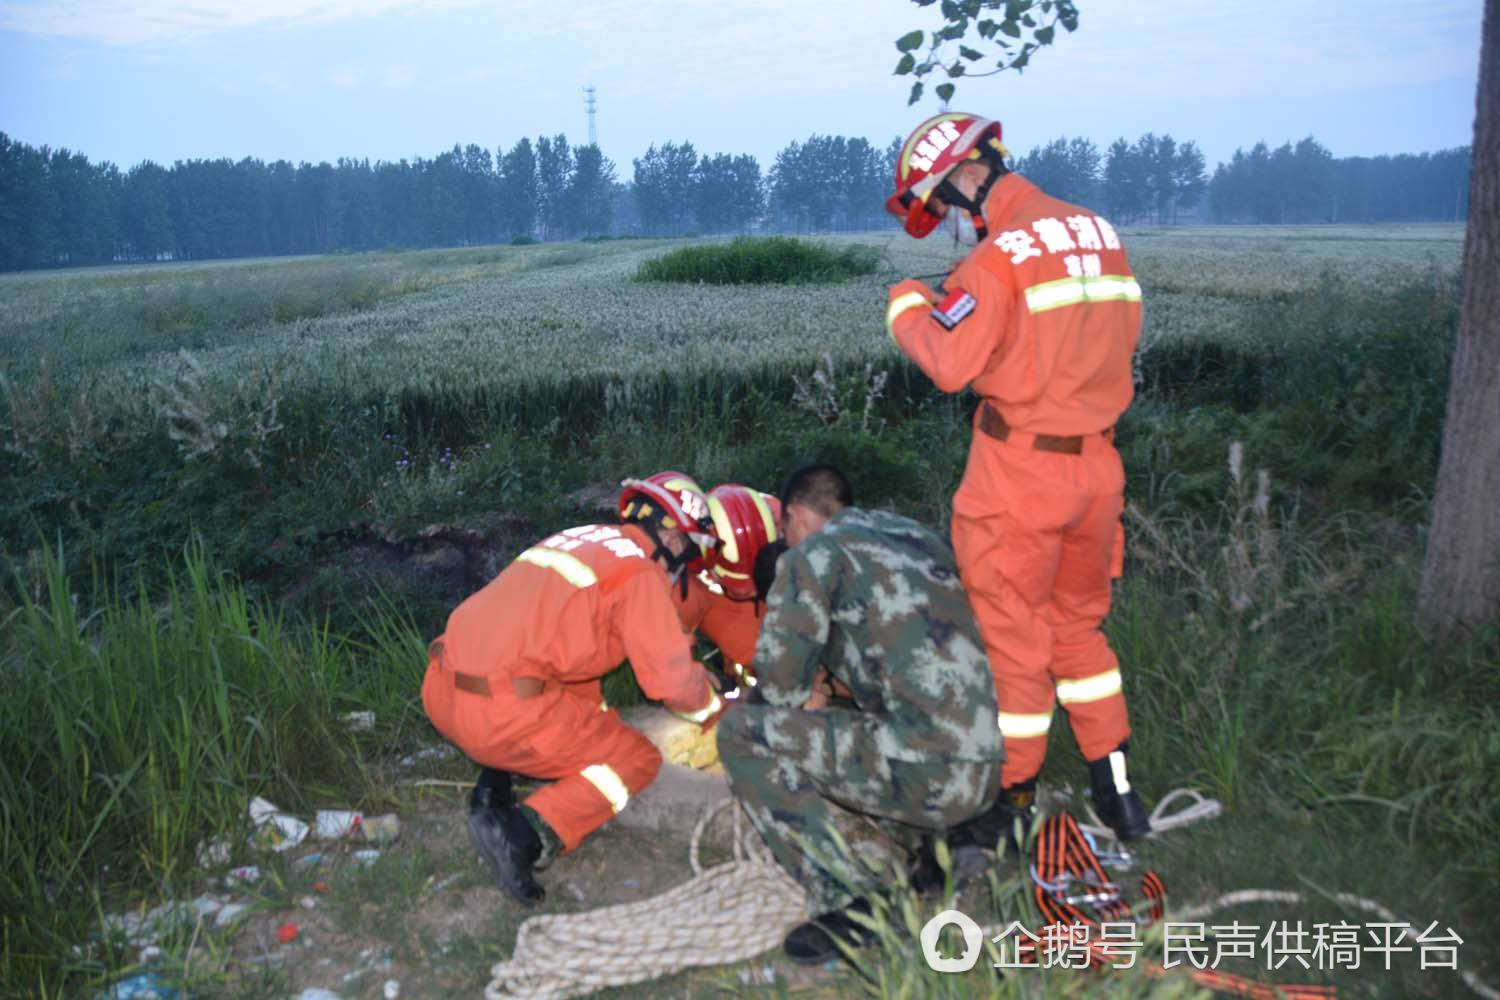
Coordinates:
(872, 599)
(514, 679)
(725, 601)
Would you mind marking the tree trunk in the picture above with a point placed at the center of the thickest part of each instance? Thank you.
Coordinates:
(1461, 577)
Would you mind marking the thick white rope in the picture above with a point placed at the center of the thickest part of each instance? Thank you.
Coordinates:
(734, 911)
(724, 914)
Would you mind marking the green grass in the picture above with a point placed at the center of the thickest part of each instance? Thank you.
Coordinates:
(762, 260)
(1269, 648)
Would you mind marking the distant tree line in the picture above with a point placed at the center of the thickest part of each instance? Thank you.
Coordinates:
(59, 209)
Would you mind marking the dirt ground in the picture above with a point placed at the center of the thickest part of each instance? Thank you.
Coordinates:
(425, 914)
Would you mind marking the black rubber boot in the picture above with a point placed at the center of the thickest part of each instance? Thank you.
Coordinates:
(508, 844)
(814, 942)
(1117, 804)
(1014, 805)
(492, 791)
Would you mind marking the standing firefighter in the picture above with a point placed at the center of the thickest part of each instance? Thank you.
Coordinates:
(1041, 318)
(874, 600)
(514, 680)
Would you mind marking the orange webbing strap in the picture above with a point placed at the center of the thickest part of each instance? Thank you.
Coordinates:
(1064, 860)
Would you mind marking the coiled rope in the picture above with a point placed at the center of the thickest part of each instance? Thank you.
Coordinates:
(742, 908)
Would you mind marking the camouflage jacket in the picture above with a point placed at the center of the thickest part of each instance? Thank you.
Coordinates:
(874, 598)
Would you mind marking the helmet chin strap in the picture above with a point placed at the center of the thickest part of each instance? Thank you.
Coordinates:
(950, 194)
(676, 563)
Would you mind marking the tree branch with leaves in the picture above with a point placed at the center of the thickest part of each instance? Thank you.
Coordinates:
(980, 38)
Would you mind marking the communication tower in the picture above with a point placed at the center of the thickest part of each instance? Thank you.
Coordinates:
(589, 105)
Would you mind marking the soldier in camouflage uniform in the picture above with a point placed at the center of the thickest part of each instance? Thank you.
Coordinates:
(873, 600)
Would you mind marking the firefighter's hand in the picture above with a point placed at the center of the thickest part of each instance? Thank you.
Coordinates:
(822, 691)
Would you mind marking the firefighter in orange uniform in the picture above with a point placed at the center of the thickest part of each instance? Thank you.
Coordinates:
(514, 679)
(1042, 319)
(723, 603)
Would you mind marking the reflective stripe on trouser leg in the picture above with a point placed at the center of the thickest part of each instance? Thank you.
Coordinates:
(1086, 672)
(1007, 573)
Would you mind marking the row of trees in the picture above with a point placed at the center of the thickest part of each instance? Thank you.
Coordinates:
(1306, 183)
(57, 208)
(1151, 179)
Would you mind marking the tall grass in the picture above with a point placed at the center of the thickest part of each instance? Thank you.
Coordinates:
(761, 260)
(135, 725)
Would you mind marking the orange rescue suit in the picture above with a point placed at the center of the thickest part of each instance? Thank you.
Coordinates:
(1042, 319)
(733, 626)
(514, 679)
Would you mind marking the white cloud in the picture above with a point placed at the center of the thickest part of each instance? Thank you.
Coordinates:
(134, 22)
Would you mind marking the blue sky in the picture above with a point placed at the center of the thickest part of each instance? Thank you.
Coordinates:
(127, 80)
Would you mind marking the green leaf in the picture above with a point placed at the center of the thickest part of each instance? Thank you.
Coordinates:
(1011, 28)
(970, 54)
(909, 41)
(1020, 61)
(906, 64)
(916, 93)
(1070, 21)
(1044, 35)
(951, 32)
(1029, 21)
(951, 10)
(987, 28)
(944, 91)
(957, 69)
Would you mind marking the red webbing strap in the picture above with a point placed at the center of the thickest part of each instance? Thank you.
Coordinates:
(1062, 850)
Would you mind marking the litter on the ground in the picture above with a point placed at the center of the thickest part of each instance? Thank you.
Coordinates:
(392, 989)
(274, 828)
(146, 986)
(228, 913)
(317, 993)
(307, 860)
(243, 875)
(212, 853)
(365, 856)
(440, 752)
(358, 722)
(382, 829)
(308, 903)
(149, 954)
(320, 886)
(286, 933)
(335, 823)
(206, 905)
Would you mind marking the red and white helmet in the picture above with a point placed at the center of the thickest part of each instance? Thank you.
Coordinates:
(929, 155)
(675, 500)
(744, 520)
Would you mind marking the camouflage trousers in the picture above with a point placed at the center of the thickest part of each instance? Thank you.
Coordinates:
(805, 778)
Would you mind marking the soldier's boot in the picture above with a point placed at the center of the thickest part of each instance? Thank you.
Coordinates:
(508, 841)
(1010, 817)
(815, 942)
(1117, 804)
(966, 862)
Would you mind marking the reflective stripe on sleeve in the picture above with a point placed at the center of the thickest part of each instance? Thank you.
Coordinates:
(571, 568)
(1071, 291)
(714, 704)
(1086, 689)
(604, 778)
(900, 304)
(1020, 727)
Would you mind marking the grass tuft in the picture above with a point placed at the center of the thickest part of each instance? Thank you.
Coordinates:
(762, 260)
